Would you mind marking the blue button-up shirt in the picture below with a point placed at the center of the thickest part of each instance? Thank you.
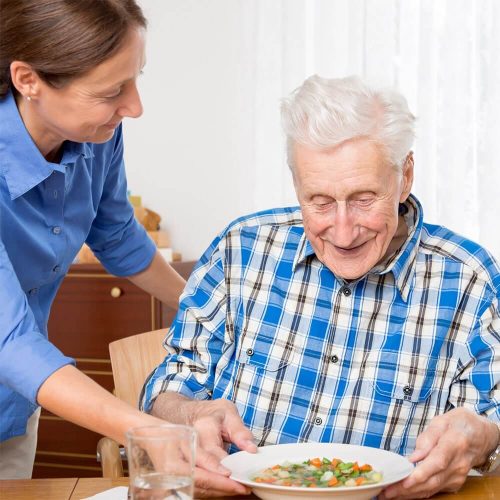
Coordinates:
(306, 356)
(47, 211)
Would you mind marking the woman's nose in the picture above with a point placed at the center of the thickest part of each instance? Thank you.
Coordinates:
(132, 106)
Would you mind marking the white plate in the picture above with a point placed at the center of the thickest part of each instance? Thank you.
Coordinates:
(243, 465)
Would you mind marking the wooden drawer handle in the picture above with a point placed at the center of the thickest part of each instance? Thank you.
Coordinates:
(116, 292)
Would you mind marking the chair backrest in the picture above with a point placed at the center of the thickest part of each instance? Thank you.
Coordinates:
(133, 359)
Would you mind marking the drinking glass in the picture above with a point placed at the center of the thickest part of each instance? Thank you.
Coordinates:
(161, 462)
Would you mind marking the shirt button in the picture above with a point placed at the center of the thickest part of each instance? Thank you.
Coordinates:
(407, 390)
(334, 358)
(56, 230)
(33, 291)
(346, 291)
(249, 352)
(318, 420)
(56, 269)
(55, 194)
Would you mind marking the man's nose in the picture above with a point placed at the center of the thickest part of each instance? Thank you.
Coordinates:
(344, 228)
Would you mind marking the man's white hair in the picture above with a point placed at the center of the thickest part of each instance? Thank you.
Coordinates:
(323, 113)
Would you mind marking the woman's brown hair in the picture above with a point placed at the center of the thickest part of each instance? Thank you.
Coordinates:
(62, 39)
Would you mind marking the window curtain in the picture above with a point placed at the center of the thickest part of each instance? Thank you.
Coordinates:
(442, 55)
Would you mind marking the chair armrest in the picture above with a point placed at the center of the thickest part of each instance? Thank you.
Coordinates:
(108, 453)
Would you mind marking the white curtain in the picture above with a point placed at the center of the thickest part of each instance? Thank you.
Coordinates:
(441, 54)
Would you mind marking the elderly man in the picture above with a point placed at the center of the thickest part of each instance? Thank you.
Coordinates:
(348, 319)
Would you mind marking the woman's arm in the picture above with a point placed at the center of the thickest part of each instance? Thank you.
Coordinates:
(160, 280)
(72, 395)
(77, 398)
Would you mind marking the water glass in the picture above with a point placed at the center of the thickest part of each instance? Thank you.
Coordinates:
(161, 462)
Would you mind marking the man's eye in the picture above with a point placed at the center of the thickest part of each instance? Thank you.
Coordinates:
(323, 205)
(364, 201)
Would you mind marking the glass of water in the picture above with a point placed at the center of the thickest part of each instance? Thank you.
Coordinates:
(161, 462)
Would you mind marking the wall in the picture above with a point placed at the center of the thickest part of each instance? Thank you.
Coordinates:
(209, 146)
(185, 154)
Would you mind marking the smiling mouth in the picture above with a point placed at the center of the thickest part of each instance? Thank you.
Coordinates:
(349, 251)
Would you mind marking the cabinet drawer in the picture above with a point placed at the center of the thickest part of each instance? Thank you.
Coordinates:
(56, 435)
(64, 449)
(91, 312)
(92, 309)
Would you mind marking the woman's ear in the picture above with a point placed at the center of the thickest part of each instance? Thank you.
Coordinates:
(25, 79)
(407, 177)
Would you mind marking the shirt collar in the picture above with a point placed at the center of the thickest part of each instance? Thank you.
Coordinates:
(402, 263)
(304, 251)
(21, 162)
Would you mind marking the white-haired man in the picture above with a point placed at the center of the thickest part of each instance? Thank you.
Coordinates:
(346, 319)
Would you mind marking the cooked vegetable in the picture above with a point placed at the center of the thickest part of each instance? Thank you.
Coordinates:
(319, 473)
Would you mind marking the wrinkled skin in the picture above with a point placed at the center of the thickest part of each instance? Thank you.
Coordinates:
(349, 196)
(445, 452)
(217, 423)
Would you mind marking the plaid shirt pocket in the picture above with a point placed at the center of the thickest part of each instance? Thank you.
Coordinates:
(408, 392)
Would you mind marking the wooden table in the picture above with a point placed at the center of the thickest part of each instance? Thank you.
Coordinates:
(45, 489)
(476, 488)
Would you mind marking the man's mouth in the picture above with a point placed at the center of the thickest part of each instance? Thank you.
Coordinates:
(351, 250)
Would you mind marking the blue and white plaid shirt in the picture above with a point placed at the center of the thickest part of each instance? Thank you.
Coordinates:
(306, 356)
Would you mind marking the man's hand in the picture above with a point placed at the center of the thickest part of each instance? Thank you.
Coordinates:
(451, 445)
(217, 423)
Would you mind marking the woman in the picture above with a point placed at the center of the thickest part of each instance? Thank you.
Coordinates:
(68, 73)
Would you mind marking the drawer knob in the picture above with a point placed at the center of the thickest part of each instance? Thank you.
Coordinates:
(116, 292)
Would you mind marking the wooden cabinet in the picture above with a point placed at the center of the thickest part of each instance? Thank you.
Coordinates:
(92, 309)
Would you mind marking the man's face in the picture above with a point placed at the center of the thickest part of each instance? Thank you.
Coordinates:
(349, 197)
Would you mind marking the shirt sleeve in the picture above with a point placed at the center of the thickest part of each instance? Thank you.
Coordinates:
(478, 385)
(197, 340)
(27, 358)
(116, 238)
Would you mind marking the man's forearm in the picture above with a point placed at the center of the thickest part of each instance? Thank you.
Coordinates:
(160, 280)
(174, 407)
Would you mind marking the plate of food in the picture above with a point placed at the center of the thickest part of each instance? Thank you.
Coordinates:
(317, 470)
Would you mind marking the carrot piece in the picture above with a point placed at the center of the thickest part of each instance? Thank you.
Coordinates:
(335, 462)
(365, 468)
(360, 481)
(312, 485)
(333, 481)
(316, 462)
(355, 467)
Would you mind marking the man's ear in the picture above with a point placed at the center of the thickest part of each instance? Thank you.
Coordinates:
(407, 177)
(25, 79)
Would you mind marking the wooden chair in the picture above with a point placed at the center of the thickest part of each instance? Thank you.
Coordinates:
(132, 360)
